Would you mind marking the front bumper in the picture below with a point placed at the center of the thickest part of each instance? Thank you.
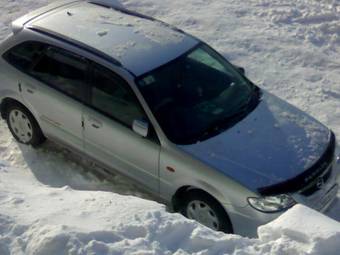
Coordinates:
(324, 197)
(246, 219)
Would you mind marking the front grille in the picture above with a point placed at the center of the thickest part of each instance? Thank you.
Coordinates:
(307, 177)
(314, 186)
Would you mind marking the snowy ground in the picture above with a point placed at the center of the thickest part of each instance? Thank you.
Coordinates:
(41, 220)
(50, 200)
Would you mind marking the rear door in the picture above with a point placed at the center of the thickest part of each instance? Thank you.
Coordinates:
(54, 88)
(108, 133)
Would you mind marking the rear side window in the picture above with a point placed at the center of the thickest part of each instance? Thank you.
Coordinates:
(63, 71)
(23, 55)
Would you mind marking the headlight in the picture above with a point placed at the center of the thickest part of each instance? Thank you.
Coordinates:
(271, 204)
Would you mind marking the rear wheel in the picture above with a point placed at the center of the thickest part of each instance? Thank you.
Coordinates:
(23, 126)
(203, 208)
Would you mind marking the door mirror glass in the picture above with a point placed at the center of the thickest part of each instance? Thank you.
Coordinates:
(141, 127)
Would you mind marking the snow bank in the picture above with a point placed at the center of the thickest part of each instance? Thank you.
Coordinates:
(37, 220)
(303, 229)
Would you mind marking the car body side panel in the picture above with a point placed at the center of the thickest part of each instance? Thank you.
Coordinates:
(121, 148)
(8, 83)
(59, 116)
(191, 172)
(56, 114)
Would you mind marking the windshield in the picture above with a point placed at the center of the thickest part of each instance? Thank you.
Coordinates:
(196, 96)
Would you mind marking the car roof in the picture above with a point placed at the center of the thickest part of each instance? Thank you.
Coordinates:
(140, 44)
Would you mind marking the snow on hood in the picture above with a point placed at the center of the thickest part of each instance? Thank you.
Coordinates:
(275, 142)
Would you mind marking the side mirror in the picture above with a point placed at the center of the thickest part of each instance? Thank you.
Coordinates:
(241, 70)
(141, 127)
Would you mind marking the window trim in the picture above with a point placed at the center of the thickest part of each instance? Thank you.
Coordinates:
(49, 84)
(89, 94)
(87, 91)
(28, 72)
(152, 136)
(6, 54)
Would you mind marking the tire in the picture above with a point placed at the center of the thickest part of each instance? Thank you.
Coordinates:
(23, 126)
(209, 212)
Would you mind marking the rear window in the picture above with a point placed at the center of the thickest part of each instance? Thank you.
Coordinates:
(23, 55)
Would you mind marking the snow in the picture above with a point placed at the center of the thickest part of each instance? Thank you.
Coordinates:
(39, 219)
(112, 3)
(154, 31)
(141, 38)
(314, 132)
(300, 228)
(51, 202)
(281, 57)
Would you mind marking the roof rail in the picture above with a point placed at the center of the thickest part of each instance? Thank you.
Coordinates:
(18, 24)
(76, 44)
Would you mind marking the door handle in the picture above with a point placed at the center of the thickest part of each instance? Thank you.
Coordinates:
(30, 91)
(95, 123)
(30, 88)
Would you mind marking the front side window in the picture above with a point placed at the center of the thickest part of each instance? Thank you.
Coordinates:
(197, 95)
(63, 71)
(111, 95)
(23, 55)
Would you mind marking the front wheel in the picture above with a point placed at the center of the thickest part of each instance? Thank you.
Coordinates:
(23, 126)
(203, 208)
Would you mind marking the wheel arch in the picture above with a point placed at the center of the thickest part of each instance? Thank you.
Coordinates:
(181, 192)
(199, 185)
(37, 137)
(7, 101)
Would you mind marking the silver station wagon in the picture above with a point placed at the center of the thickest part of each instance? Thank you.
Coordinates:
(143, 98)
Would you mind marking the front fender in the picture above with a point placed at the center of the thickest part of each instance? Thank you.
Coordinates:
(190, 172)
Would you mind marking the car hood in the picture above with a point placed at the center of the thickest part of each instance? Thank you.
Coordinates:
(274, 143)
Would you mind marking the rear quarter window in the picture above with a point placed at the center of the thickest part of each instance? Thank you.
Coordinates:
(23, 55)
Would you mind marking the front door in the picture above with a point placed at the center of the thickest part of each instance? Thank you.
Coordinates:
(108, 134)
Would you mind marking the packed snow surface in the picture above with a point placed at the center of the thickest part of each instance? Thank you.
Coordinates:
(52, 203)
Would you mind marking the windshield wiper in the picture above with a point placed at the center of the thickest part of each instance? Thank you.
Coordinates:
(220, 125)
(254, 97)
